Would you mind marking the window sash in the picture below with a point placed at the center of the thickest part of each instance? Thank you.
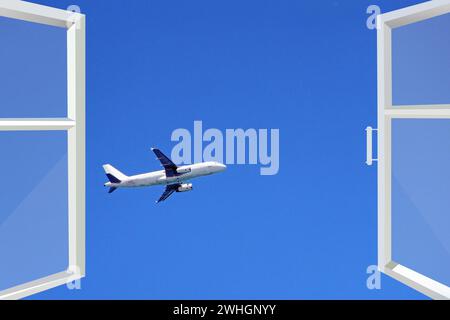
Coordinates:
(386, 112)
(74, 124)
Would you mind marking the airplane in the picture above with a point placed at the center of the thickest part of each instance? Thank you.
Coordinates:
(175, 178)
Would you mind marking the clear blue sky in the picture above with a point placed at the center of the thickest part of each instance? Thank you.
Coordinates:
(305, 67)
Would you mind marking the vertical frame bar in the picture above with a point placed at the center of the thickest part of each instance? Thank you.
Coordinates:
(76, 62)
(384, 39)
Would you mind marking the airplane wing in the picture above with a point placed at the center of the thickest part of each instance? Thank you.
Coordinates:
(168, 192)
(169, 166)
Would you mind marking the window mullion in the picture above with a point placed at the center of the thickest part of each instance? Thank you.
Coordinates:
(51, 124)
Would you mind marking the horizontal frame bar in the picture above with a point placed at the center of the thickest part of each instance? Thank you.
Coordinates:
(415, 13)
(55, 124)
(421, 106)
(417, 281)
(39, 285)
(37, 13)
(418, 113)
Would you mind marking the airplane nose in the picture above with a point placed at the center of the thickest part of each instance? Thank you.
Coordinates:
(222, 167)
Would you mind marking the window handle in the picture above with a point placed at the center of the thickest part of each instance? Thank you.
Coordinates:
(369, 149)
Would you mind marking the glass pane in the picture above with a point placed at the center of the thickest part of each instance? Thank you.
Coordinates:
(33, 206)
(33, 70)
(421, 63)
(421, 196)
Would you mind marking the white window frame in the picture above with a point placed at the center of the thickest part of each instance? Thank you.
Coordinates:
(386, 112)
(75, 127)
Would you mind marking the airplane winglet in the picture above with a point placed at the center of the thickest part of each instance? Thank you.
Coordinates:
(111, 190)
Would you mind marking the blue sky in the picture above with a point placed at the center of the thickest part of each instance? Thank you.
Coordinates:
(306, 68)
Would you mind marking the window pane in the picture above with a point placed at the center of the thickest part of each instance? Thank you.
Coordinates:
(33, 70)
(421, 63)
(33, 206)
(421, 196)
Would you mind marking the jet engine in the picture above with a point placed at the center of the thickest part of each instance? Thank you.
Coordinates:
(185, 187)
(183, 170)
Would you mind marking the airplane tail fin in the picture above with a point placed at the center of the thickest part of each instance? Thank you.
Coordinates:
(114, 175)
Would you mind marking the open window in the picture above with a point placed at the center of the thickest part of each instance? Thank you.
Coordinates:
(42, 148)
(414, 146)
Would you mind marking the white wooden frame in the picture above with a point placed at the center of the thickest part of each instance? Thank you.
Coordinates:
(74, 124)
(387, 112)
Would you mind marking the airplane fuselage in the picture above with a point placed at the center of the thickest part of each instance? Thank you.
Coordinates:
(184, 174)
